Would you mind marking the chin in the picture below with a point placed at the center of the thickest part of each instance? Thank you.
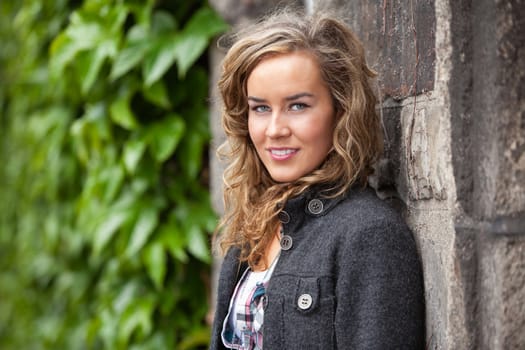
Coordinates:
(283, 178)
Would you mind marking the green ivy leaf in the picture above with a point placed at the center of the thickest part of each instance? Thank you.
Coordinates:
(137, 44)
(77, 136)
(198, 243)
(184, 48)
(155, 261)
(146, 223)
(107, 229)
(192, 149)
(90, 62)
(121, 113)
(205, 22)
(164, 136)
(159, 59)
(174, 241)
(133, 152)
(162, 23)
(115, 18)
(125, 296)
(197, 338)
(187, 49)
(157, 94)
(203, 25)
(167, 300)
(109, 327)
(62, 51)
(128, 58)
(142, 11)
(85, 30)
(93, 329)
(114, 177)
(137, 317)
(159, 340)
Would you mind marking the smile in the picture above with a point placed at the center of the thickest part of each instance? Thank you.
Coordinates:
(282, 153)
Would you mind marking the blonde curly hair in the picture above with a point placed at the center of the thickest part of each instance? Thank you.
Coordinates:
(252, 198)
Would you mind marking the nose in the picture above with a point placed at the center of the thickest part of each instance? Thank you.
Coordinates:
(277, 126)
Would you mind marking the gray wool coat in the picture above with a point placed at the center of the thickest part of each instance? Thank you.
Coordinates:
(351, 278)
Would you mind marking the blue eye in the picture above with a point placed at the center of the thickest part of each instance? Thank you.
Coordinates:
(260, 109)
(298, 106)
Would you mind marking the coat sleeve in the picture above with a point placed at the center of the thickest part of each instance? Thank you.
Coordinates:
(380, 289)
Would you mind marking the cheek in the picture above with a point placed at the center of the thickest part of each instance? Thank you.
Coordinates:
(319, 133)
(323, 141)
(255, 131)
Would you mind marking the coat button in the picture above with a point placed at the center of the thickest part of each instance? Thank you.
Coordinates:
(304, 302)
(286, 242)
(284, 217)
(315, 206)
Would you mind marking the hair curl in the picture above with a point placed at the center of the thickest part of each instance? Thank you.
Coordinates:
(357, 138)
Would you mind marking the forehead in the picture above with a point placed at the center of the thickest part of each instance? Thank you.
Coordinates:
(294, 70)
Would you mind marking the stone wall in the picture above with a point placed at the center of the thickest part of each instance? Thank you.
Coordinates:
(451, 82)
(487, 107)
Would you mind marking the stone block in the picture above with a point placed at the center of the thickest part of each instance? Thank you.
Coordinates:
(424, 141)
(502, 292)
(239, 12)
(399, 38)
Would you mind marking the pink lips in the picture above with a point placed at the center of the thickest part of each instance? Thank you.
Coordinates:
(282, 153)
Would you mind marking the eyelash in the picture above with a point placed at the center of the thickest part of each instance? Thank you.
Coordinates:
(258, 108)
(296, 106)
(300, 105)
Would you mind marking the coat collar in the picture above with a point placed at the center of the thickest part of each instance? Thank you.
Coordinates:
(314, 202)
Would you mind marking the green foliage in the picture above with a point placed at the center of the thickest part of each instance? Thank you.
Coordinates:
(104, 211)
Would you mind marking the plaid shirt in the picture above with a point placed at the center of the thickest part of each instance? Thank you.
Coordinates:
(250, 320)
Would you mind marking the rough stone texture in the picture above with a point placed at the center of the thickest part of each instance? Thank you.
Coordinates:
(425, 184)
(452, 84)
(510, 100)
(488, 131)
(502, 285)
(464, 314)
(216, 167)
(238, 12)
(430, 221)
(424, 133)
(488, 112)
(412, 129)
(399, 37)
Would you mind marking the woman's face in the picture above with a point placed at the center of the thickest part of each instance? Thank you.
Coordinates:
(291, 116)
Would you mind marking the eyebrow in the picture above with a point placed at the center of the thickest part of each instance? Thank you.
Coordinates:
(288, 98)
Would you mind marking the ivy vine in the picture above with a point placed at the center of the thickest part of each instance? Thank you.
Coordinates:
(105, 213)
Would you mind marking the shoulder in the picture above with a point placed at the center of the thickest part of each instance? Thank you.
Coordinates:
(379, 273)
(361, 208)
(368, 224)
(364, 202)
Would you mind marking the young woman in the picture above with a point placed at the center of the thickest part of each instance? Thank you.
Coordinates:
(313, 259)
